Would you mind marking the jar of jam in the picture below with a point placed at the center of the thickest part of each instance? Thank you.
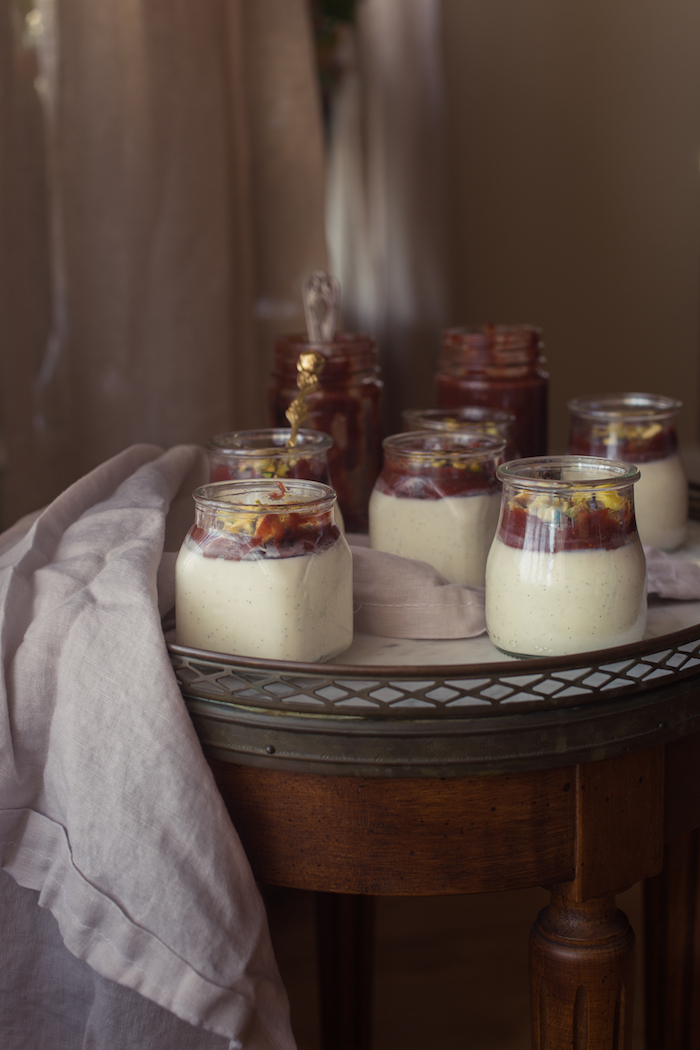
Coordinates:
(346, 405)
(639, 429)
(566, 571)
(488, 421)
(265, 572)
(498, 366)
(437, 500)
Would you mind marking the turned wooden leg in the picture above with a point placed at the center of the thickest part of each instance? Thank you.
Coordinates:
(582, 946)
(581, 976)
(345, 954)
(672, 949)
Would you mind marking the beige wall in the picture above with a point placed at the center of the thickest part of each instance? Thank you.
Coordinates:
(574, 140)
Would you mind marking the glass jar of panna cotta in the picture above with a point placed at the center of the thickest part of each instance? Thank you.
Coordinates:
(639, 429)
(265, 453)
(566, 571)
(489, 421)
(437, 500)
(265, 572)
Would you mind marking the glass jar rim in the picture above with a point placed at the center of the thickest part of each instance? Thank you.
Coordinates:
(233, 443)
(464, 444)
(297, 496)
(489, 333)
(606, 407)
(544, 473)
(470, 413)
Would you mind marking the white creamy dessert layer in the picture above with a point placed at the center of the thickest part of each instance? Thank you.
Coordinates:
(453, 534)
(661, 503)
(297, 608)
(540, 604)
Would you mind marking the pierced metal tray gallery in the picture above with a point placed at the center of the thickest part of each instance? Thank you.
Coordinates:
(423, 716)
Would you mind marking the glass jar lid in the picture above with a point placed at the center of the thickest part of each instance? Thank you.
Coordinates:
(273, 440)
(463, 418)
(264, 496)
(425, 445)
(628, 406)
(554, 474)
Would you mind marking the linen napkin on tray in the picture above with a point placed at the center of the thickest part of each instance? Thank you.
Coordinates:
(400, 598)
(110, 817)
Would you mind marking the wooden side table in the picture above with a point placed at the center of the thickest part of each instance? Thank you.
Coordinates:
(578, 791)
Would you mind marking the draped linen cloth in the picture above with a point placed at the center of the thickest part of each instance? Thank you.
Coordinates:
(109, 815)
(405, 598)
(385, 211)
(161, 200)
(672, 576)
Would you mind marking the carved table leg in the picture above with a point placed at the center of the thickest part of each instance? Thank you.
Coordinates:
(672, 948)
(581, 976)
(345, 940)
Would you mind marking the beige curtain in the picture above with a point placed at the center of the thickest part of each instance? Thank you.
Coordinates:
(385, 218)
(161, 199)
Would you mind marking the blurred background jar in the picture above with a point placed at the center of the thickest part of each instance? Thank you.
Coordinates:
(265, 572)
(437, 500)
(487, 421)
(346, 405)
(265, 454)
(639, 429)
(566, 572)
(498, 366)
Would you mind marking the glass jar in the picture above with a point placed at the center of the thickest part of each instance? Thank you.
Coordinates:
(265, 454)
(480, 420)
(566, 572)
(498, 366)
(265, 572)
(346, 405)
(437, 500)
(639, 429)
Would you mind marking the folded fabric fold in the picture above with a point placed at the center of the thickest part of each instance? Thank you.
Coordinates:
(670, 576)
(400, 598)
(107, 805)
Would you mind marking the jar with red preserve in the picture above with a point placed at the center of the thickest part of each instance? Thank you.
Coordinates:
(639, 429)
(437, 500)
(566, 571)
(488, 421)
(346, 405)
(265, 572)
(498, 366)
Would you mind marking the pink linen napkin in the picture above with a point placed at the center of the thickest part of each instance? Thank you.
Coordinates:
(671, 577)
(108, 810)
(400, 598)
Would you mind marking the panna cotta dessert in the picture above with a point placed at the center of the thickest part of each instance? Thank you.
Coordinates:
(566, 571)
(437, 500)
(639, 429)
(265, 572)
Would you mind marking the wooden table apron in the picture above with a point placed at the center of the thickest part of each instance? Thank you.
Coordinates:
(580, 799)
